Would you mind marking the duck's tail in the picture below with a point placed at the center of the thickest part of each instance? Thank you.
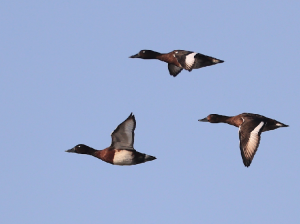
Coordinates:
(149, 158)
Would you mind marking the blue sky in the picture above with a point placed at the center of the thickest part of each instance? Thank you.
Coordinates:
(66, 79)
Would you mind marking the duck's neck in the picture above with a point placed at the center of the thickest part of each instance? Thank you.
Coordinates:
(225, 119)
(154, 55)
(90, 151)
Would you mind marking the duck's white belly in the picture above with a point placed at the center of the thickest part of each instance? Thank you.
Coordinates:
(123, 157)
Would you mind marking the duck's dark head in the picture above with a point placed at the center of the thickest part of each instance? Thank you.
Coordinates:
(212, 118)
(82, 149)
(146, 54)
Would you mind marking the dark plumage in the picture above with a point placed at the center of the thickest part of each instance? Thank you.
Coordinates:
(250, 128)
(179, 59)
(121, 151)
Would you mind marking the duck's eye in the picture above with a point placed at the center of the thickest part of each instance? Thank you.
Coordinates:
(143, 52)
(176, 52)
(79, 146)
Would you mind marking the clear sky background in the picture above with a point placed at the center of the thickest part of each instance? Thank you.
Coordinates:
(66, 79)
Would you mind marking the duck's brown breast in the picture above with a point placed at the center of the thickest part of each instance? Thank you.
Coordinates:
(106, 155)
(169, 58)
(236, 120)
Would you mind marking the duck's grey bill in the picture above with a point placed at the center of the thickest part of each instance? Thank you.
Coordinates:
(135, 56)
(204, 119)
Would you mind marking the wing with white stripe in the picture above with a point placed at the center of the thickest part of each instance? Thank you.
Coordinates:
(123, 136)
(190, 61)
(249, 133)
(186, 59)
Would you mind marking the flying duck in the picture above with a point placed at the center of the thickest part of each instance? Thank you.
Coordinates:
(250, 128)
(121, 151)
(179, 59)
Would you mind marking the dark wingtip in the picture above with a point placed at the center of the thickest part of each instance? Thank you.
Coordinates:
(174, 75)
(247, 163)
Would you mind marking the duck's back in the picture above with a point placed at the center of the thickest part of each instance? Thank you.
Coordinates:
(271, 124)
(192, 60)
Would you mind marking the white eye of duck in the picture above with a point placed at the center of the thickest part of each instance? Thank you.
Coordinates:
(79, 146)
(144, 52)
(176, 52)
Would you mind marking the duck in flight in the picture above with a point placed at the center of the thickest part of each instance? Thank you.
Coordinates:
(250, 128)
(179, 59)
(121, 151)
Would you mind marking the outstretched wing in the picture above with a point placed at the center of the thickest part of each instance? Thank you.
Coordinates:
(123, 136)
(174, 70)
(249, 133)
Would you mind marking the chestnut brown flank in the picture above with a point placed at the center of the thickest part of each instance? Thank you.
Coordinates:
(169, 58)
(106, 155)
